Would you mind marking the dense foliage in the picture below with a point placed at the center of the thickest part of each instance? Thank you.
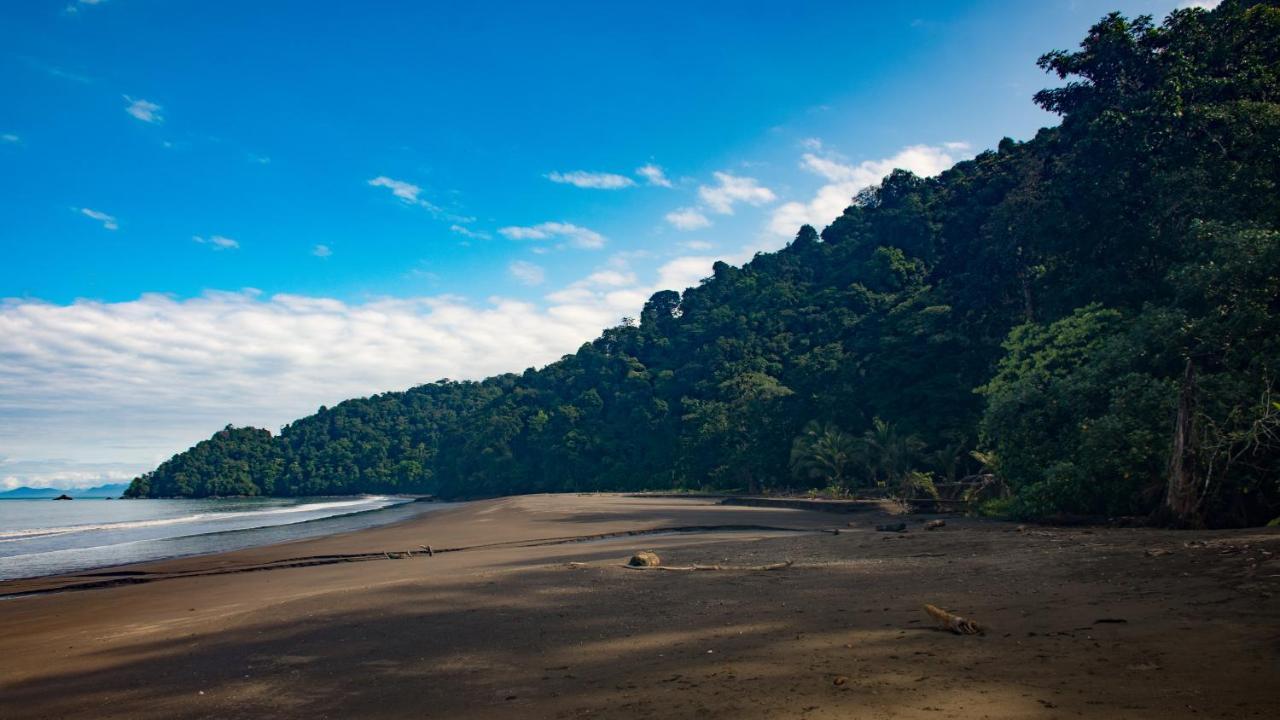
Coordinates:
(1089, 318)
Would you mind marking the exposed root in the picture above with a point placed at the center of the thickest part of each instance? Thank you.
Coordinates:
(953, 622)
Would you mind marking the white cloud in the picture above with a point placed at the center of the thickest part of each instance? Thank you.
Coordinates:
(406, 191)
(144, 110)
(125, 385)
(72, 474)
(684, 272)
(321, 251)
(411, 194)
(1200, 4)
(593, 180)
(108, 221)
(654, 175)
(697, 245)
(95, 391)
(845, 181)
(687, 219)
(218, 242)
(610, 278)
(732, 189)
(527, 272)
(10, 138)
(575, 235)
(468, 232)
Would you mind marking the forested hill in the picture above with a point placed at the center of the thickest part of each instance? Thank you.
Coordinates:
(1090, 318)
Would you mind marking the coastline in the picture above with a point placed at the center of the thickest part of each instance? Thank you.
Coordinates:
(189, 531)
(497, 624)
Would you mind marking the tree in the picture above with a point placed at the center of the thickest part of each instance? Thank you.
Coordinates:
(1059, 299)
(824, 453)
(888, 454)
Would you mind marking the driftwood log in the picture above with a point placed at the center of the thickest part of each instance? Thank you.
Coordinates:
(701, 568)
(953, 622)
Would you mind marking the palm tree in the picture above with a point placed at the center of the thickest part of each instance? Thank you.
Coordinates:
(824, 453)
(887, 454)
(949, 460)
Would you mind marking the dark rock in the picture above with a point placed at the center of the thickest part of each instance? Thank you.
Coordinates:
(645, 558)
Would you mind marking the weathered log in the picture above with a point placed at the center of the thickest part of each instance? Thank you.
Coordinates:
(953, 622)
(702, 568)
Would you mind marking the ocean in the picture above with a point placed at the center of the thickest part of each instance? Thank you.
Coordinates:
(47, 537)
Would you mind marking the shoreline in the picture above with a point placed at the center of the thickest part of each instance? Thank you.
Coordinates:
(213, 540)
(526, 612)
(64, 581)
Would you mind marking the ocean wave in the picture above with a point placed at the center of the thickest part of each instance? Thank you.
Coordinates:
(32, 533)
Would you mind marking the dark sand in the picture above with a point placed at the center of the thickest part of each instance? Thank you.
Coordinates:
(1083, 622)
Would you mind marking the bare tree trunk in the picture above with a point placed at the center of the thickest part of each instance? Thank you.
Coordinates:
(1028, 305)
(1182, 501)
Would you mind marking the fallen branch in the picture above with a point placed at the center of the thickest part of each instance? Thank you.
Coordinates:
(700, 568)
(953, 622)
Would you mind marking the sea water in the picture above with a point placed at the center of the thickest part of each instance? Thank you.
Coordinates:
(47, 537)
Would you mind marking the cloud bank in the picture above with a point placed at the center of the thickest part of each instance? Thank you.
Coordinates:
(845, 181)
(129, 383)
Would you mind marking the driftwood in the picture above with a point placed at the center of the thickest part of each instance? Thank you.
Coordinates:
(953, 622)
(429, 551)
(700, 568)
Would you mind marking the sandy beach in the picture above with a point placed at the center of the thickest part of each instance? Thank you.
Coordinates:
(504, 622)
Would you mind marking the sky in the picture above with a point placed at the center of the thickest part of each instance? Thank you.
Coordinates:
(235, 212)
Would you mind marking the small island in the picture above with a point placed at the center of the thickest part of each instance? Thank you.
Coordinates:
(64, 496)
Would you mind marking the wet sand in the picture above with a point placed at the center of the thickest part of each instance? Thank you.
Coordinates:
(1099, 623)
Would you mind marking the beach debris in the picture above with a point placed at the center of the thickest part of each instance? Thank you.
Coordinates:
(645, 558)
(702, 568)
(429, 551)
(575, 564)
(953, 622)
(1156, 552)
(892, 527)
(840, 680)
(935, 524)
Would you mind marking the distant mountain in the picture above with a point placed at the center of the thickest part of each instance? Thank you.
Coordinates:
(102, 491)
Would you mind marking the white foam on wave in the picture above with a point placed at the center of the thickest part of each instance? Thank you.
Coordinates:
(31, 533)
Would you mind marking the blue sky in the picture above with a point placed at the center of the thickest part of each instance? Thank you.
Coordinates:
(237, 211)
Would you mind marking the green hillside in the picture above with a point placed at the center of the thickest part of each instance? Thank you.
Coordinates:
(1090, 318)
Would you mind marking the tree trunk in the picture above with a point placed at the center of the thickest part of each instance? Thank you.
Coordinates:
(1028, 306)
(1183, 502)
